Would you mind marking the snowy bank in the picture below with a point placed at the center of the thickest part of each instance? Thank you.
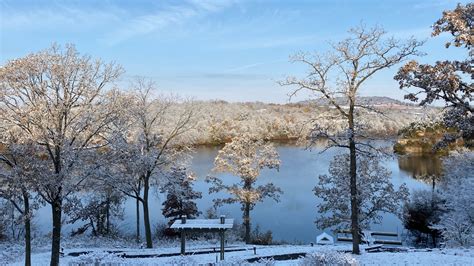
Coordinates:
(239, 254)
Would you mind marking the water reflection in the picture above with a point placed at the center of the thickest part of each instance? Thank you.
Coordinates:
(426, 168)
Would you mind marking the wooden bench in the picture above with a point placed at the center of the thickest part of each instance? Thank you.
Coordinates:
(375, 248)
(369, 237)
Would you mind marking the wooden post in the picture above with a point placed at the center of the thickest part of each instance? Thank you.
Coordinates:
(222, 244)
(222, 220)
(183, 236)
(183, 242)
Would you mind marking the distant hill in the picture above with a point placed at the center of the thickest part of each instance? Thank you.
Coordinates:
(370, 100)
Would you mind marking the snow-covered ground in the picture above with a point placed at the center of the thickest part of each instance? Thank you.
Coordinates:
(100, 252)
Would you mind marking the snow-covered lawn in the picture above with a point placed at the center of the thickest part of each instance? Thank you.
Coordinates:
(11, 255)
(435, 257)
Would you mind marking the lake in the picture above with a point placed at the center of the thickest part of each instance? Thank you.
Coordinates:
(291, 219)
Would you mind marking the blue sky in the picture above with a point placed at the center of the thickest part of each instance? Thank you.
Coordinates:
(228, 49)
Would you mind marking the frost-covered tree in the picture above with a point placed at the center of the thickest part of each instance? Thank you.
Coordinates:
(376, 193)
(127, 176)
(124, 157)
(449, 81)
(17, 179)
(457, 223)
(340, 74)
(244, 157)
(96, 208)
(180, 196)
(60, 101)
(153, 141)
(217, 122)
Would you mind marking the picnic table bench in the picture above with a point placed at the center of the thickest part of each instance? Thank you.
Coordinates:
(368, 237)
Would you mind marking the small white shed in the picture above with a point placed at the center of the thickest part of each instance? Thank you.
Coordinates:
(324, 239)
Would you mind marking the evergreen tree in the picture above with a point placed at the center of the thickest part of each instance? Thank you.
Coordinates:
(180, 195)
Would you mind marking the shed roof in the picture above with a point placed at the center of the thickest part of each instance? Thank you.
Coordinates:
(203, 224)
(324, 238)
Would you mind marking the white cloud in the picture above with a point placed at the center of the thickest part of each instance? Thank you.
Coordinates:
(273, 42)
(248, 66)
(57, 16)
(119, 22)
(165, 17)
(419, 33)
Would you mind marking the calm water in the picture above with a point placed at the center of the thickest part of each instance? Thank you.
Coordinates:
(291, 219)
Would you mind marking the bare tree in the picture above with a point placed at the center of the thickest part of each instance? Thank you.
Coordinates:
(57, 99)
(244, 157)
(341, 73)
(153, 142)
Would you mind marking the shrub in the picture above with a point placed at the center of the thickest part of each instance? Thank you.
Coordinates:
(259, 238)
(457, 222)
(261, 262)
(183, 261)
(97, 258)
(420, 214)
(163, 231)
(328, 258)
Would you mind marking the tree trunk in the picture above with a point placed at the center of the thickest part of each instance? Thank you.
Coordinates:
(94, 230)
(247, 222)
(138, 220)
(353, 184)
(433, 231)
(27, 217)
(56, 207)
(107, 209)
(12, 225)
(433, 238)
(146, 216)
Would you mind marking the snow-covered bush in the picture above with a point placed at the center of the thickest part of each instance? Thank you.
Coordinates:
(457, 228)
(98, 258)
(457, 223)
(328, 258)
(237, 233)
(11, 226)
(261, 238)
(261, 262)
(162, 231)
(183, 261)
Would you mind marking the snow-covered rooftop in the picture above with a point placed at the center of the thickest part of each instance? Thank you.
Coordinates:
(203, 224)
